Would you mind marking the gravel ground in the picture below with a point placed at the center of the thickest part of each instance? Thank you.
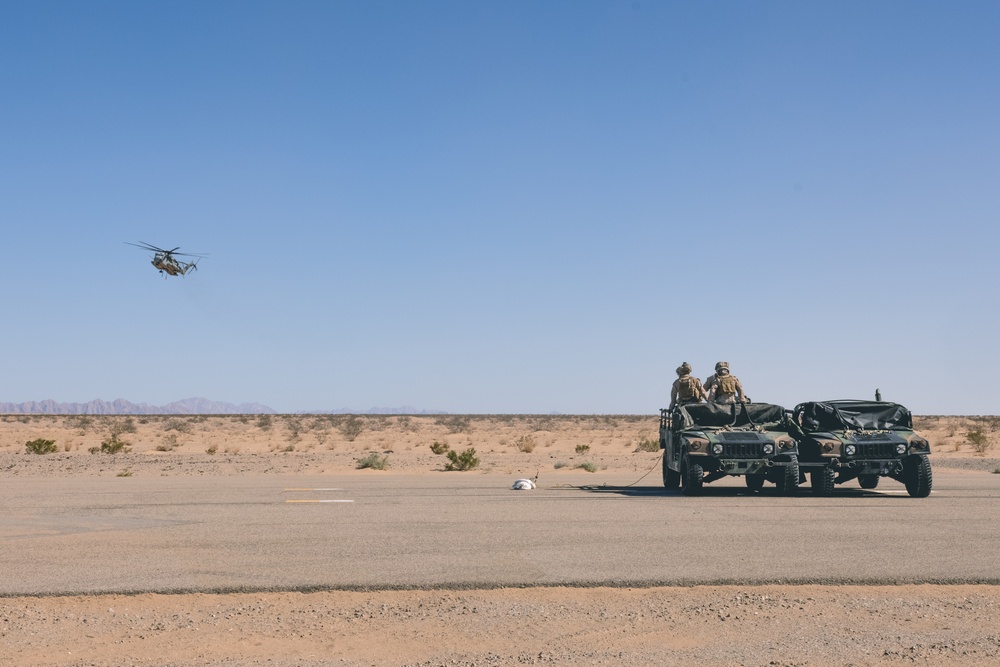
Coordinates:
(968, 463)
(780, 626)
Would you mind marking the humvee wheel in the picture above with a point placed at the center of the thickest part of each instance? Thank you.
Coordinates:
(691, 473)
(868, 481)
(917, 473)
(822, 481)
(788, 482)
(755, 482)
(671, 478)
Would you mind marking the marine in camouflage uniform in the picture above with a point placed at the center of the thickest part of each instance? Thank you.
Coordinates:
(686, 388)
(724, 387)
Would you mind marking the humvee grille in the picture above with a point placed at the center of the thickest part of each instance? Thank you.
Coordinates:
(872, 437)
(742, 444)
(743, 450)
(876, 450)
(738, 436)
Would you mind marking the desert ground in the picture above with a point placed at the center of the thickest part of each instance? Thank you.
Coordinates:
(705, 625)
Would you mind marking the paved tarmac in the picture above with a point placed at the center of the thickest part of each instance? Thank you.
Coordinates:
(457, 530)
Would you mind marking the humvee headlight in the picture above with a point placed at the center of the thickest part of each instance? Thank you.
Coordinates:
(827, 447)
(850, 450)
(785, 444)
(901, 448)
(694, 446)
(717, 448)
(768, 448)
(920, 444)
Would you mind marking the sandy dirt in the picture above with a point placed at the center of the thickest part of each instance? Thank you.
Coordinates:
(782, 626)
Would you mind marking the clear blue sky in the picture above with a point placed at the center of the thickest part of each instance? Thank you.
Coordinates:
(501, 206)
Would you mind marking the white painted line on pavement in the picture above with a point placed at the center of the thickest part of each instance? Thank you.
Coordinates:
(319, 501)
(315, 489)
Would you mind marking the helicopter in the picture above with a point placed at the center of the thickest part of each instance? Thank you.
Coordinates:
(166, 260)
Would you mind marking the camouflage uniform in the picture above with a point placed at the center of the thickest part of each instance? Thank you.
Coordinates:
(723, 387)
(686, 388)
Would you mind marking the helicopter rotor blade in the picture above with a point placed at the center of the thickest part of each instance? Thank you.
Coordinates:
(145, 246)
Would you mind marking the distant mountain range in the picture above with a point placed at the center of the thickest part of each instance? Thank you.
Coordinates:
(188, 406)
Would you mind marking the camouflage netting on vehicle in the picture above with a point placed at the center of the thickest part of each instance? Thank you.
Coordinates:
(853, 415)
(735, 414)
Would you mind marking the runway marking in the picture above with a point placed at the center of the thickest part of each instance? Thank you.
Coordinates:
(319, 501)
(316, 489)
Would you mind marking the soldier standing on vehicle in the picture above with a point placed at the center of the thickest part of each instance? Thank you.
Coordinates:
(724, 387)
(713, 378)
(686, 388)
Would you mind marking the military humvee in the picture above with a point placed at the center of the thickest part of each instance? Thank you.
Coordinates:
(703, 442)
(864, 440)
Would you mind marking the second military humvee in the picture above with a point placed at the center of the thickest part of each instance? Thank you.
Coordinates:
(703, 442)
(864, 440)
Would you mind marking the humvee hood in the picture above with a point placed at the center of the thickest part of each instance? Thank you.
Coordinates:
(853, 415)
(718, 415)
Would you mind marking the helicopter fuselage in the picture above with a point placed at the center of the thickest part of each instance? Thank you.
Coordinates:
(169, 265)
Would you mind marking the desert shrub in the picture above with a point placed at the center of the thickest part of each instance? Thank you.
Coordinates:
(582, 449)
(124, 473)
(40, 446)
(559, 464)
(588, 466)
(178, 425)
(374, 461)
(351, 428)
(980, 441)
(467, 460)
(212, 449)
(168, 444)
(83, 422)
(439, 447)
(647, 445)
(264, 422)
(525, 443)
(455, 423)
(295, 428)
(115, 446)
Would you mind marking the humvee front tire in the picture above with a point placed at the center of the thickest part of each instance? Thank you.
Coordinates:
(755, 482)
(692, 474)
(823, 480)
(671, 478)
(917, 473)
(788, 482)
(868, 481)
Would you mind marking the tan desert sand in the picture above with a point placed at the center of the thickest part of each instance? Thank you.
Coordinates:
(704, 625)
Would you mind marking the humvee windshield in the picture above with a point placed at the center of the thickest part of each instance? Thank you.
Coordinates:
(719, 415)
(853, 415)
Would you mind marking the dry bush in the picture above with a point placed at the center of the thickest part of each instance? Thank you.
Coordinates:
(455, 423)
(980, 442)
(168, 444)
(525, 443)
(374, 461)
(351, 428)
(175, 424)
